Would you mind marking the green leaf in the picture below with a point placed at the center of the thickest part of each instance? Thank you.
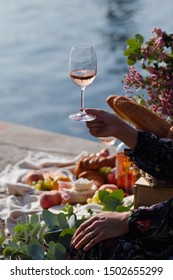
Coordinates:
(23, 248)
(65, 231)
(62, 221)
(34, 219)
(102, 194)
(2, 239)
(13, 245)
(50, 219)
(139, 38)
(127, 52)
(111, 203)
(132, 43)
(119, 194)
(52, 235)
(69, 209)
(136, 42)
(8, 251)
(131, 61)
(35, 250)
(36, 229)
(66, 237)
(122, 208)
(56, 252)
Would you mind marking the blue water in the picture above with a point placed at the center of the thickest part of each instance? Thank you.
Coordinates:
(35, 40)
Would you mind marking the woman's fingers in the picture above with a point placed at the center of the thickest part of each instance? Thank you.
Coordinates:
(96, 112)
(87, 240)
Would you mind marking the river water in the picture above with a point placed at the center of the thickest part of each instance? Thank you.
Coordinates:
(35, 41)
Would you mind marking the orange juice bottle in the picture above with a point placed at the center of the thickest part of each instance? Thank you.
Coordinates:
(125, 171)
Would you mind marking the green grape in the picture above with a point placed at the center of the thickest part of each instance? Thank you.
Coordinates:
(89, 200)
(48, 184)
(38, 186)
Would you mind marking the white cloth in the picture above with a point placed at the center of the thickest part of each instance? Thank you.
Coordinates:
(21, 198)
(10, 177)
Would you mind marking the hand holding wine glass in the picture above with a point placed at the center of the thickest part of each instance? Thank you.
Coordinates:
(83, 70)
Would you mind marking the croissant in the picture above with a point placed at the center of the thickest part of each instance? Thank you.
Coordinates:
(94, 163)
(141, 117)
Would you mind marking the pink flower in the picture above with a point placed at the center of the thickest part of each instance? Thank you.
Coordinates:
(156, 80)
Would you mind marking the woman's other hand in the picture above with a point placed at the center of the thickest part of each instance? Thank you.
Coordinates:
(100, 227)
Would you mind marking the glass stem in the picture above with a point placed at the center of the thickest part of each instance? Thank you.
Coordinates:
(82, 100)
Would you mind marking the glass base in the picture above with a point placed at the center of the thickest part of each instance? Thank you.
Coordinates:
(82, 116)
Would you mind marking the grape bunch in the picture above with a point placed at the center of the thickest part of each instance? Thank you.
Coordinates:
(96, 198)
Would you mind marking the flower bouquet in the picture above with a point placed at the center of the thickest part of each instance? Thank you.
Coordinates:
(153, 85)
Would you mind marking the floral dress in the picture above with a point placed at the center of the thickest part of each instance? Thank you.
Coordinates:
(151, 228)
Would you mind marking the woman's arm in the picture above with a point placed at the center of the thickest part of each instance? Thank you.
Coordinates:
(152, 154)
(154, 222)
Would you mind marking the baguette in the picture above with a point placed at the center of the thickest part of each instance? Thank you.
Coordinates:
(138, 115)
(170, 133)
(94, 163)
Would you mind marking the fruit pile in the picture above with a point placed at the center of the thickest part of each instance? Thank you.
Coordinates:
(94, 175)
(47, 181)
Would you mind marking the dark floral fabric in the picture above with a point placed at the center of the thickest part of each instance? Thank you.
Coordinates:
(151, 228)
(153, 155)
(150, 237)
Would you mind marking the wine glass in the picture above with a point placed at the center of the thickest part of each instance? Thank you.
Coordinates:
(82, 70)
(108, 141)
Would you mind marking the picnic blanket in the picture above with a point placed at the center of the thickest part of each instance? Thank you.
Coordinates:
(23, 199)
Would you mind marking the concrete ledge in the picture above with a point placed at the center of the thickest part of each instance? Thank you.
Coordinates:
(17, 140)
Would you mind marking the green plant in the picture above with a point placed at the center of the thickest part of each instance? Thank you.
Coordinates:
(42, 237)
(48, 236)
(113, 201)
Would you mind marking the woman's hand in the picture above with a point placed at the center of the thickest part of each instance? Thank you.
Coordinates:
(100, 227)
(105, 123)
(108, 124)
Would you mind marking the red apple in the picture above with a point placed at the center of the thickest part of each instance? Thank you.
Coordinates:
(31, 177)
(50, 198)
(111, 177)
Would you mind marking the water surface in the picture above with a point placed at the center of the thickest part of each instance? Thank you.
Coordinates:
(35, 40)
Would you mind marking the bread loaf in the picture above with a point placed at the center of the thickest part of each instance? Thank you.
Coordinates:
(170, 133)
(97, 177)
(138, 115)
(94, 163)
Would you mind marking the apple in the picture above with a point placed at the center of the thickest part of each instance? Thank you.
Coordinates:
(108, 187)
(50, 198)
(111, 177)
(31, 177)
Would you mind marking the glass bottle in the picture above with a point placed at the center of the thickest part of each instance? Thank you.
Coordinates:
(125, 170)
